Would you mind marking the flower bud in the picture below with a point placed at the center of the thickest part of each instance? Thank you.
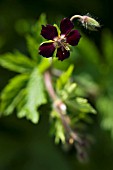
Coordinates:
(89, 23)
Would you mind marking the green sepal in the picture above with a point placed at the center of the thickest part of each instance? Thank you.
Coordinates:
(63, 79)
(58, 30)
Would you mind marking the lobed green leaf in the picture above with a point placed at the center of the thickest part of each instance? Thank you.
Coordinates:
(11, 94)
(17, 62)
(33, 98)
(57, 128)
(63, 79)
(80, 105)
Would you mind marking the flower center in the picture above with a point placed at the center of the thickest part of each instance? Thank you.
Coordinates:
(60, 41)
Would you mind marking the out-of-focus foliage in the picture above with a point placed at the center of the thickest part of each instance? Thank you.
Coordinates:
(97, 78)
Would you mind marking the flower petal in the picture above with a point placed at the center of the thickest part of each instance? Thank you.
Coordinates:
(49, 32)
(47, 49)
(73, 37)
(62, 53)
(66, 26)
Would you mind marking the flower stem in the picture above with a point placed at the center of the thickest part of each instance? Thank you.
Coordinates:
(49, 86)
(60, 107)
(75, 16)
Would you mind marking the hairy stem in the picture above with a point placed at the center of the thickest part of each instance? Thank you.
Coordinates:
(75, 16)
(60, 107)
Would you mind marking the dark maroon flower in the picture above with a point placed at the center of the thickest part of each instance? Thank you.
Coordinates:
(59, 41)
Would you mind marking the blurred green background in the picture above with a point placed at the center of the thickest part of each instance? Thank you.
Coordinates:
(29, 147)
